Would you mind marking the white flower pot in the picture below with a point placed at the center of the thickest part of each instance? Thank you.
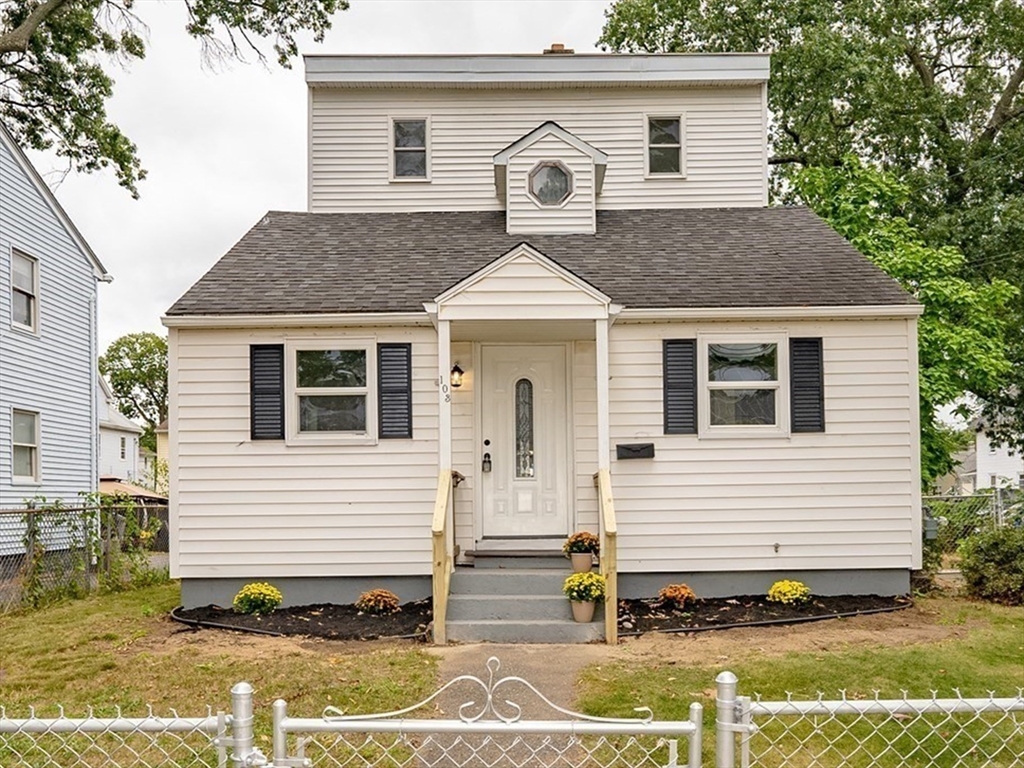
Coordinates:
(581, 561)
(582, 613)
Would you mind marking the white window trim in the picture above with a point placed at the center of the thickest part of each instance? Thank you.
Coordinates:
(391, 149)
(546, 206)
(782, 387)
(648, 116)
(34, 328)
(292, 434)
(35, 478)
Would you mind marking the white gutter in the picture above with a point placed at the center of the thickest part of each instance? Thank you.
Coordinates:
(870, 312)
(296, 321)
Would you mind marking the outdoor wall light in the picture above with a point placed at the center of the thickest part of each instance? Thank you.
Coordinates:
(456, 376)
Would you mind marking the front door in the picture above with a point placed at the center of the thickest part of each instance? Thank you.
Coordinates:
(524, 440)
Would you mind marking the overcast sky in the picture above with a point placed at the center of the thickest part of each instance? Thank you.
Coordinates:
(223, 147)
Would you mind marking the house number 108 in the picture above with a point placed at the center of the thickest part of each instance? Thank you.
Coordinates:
(445, 389)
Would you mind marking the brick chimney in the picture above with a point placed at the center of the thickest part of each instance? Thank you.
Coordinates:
(558, 48)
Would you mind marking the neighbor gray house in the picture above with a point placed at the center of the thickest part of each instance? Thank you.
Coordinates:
(48, 377)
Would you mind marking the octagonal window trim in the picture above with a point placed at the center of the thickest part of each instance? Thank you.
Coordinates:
(570, 190)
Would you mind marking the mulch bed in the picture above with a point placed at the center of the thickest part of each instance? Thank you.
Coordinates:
(648, 615)
(333, 622)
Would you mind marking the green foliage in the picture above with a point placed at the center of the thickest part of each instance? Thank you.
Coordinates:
(992, 564)
(676, 596)
(789, 592)
(55, 56)
(378, 602)
(928, 91)
(258, 598)
(582, 543)
(136, 367)
(585, 587)
(961, 336)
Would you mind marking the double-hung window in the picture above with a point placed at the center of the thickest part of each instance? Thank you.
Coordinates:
(742, 380)
(124, 448)
(664, 146)
(410, 149)
(24, 292)
(26, 447)
(330, 390)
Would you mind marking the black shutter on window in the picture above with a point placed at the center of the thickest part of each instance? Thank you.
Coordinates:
(807, 385)
(680, 382)
(266, 391)
(394, 394)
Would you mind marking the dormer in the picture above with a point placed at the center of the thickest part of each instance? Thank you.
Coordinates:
(549, 181)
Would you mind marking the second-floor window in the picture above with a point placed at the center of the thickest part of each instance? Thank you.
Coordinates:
(410, 149)
(664, 146)
(24, 291)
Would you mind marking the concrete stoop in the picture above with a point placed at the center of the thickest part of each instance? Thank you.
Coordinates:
(502, 604)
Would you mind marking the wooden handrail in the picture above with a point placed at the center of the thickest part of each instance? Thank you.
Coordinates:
(609, 556)
(441, 571)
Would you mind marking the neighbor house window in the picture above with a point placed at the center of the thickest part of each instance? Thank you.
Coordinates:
(664, 142)
(25, 291)
(331, 392)
(410, 149)
(124, 448)
(26, 446)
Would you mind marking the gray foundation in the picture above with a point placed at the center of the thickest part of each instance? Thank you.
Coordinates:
(730, 583)
(341, 590)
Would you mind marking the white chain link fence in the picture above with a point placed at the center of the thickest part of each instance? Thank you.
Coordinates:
(958, 517)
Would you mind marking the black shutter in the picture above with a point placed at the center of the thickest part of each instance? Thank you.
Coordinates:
(807, 385)
(266, 391)
(394, 389)
(680, 376)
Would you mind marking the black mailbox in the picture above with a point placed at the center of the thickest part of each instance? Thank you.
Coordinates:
(634, 451)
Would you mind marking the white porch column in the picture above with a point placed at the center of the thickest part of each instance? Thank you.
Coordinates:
(603, 429)
(444, 394)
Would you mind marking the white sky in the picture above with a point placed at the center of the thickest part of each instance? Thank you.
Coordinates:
(223, 147)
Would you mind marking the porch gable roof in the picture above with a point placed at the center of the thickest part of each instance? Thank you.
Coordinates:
(324, 263)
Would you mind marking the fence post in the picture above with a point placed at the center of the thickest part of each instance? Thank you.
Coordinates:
(697, 739)
(280, 737)
(725, 720)
(243, 750)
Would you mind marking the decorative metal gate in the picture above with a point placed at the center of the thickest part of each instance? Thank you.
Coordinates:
(490, 732)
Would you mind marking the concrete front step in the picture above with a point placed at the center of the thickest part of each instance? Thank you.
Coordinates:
(516, 561)
(499, 631)
(508, 608)
(498, 581)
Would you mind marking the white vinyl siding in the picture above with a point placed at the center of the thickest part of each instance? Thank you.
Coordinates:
(350, 145)
(844, 498)
(51, 371)
(265, 509)
(574, 215)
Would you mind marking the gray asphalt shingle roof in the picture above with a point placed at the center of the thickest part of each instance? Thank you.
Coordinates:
(299, 263)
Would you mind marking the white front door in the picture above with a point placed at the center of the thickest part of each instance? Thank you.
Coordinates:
(524, 440)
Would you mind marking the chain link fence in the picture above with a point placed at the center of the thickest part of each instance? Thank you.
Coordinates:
(958, 517)
(55, 552)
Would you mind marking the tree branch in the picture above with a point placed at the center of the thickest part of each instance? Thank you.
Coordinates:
(924, 71)
(1003, 111)
(787, 159)
(18, 38)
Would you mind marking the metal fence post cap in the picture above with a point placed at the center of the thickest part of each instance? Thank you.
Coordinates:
(726, 677)
(241, 689)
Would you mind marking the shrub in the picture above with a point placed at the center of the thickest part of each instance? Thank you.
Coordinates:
(992, 564)
(378, 602)
(258, 598)
(581, 543)
(585, 587)
(676, 596)
(789, 592)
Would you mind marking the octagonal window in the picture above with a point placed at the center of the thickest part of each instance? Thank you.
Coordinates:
(550, 183)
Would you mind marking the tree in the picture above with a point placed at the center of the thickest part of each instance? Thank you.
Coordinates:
(962, 333)
(136, 367)
(55, 56)
(928, 90)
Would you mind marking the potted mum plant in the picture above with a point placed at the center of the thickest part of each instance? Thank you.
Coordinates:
(580, 548)
(583, 591)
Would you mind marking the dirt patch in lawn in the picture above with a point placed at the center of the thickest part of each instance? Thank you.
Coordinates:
(649, 615)
(332, 622)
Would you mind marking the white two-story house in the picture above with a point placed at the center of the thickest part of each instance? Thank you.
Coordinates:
(48, 376)
(532, 295)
